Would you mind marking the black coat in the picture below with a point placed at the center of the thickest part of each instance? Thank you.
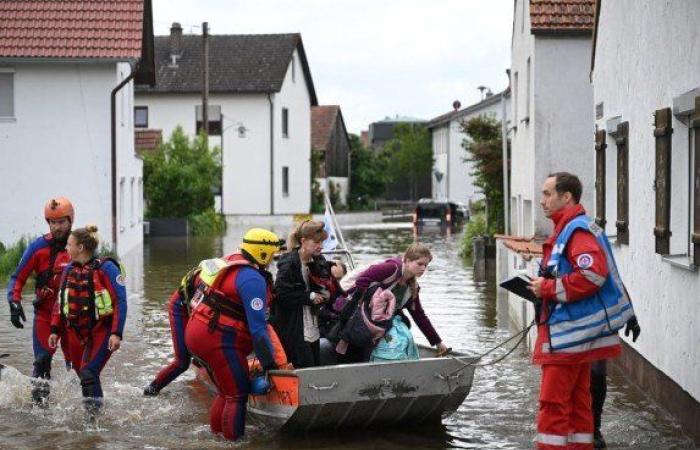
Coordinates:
(291, 294)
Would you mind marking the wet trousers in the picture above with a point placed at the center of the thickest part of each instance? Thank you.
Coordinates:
(224, 351)
(89, 354)
(599, 389)
(565, 419)
(177, 313)
(43, 354)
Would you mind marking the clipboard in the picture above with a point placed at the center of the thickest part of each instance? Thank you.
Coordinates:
(518, 285)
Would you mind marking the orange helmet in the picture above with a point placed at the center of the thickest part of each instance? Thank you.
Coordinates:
(57, 208)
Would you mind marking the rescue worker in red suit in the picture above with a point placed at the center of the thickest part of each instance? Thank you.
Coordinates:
(45, 257)
(578, 274)
(179, 314)
(228, 322)
(91, 310)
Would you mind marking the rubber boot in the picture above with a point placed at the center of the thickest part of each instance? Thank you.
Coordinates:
(40, 392)
(151, 390)
(92, 406)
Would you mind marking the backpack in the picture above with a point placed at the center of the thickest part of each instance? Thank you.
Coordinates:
(369, 321)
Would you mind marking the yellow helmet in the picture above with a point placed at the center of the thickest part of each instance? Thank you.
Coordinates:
(261, 245)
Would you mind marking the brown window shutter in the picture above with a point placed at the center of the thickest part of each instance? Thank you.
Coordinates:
(622, 142)
(696, 184)
(662, 181)
(600, 146)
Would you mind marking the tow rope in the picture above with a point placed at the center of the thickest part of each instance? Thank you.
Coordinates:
(521, 334)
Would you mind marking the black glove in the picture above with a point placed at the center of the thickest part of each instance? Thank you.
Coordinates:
(634, 328)
(16, 313)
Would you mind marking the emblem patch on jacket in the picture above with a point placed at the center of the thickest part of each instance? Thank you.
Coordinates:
(257, 304)
(584, 261)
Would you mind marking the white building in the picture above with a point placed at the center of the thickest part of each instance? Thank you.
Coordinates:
(451, 177)
(552, 104)
(646, 83)
(56, 119)
(260, 98)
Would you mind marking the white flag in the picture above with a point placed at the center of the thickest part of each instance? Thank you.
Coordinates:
(332, 241)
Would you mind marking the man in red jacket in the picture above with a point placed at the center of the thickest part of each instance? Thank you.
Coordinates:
(565, 420)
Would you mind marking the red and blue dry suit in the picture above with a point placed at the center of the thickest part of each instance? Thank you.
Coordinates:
(46, 258)
(228, 322)
(565, 419)
(91, 307)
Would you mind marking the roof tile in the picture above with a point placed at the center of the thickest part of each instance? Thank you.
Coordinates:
(322, 124)
(562, 15)
(71, 29)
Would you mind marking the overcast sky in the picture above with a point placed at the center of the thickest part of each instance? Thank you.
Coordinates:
(374, 58)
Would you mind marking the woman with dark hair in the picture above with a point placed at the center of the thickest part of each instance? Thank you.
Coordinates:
(398, 275)
(297, 300)
(91, 308)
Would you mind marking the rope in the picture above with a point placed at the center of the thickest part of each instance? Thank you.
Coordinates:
(522, 333)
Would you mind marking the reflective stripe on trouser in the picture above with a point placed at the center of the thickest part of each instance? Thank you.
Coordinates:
(565, 419)
(178, 322)
(228, 365)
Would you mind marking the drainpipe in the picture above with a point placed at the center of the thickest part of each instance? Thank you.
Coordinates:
(506, 184)
(113, 105)
(272, 154)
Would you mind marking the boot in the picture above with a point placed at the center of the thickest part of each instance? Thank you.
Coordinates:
(40, 392)
(598, 440)
(151, 390)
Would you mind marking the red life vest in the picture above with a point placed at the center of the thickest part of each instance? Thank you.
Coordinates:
(84, 297)
(48, 278)
(218, 303)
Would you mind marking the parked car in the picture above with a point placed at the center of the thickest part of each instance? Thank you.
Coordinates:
(439, 212)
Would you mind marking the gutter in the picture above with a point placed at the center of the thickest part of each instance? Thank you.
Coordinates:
(272, 154)
(113, 112)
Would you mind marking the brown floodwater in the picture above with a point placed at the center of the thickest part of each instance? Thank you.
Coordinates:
(499, 413)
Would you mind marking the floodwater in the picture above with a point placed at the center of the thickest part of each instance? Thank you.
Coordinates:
(499, 413)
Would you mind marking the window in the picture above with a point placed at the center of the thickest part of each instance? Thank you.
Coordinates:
(514, 231)
(622, 223)
(527, 93)
(214, 119)
(527, 218)
(515, 98)
(7, 94)
(141, 116)
(132, 202)
(285, 122)
(140, 200)
(285, 181)
(600, 147)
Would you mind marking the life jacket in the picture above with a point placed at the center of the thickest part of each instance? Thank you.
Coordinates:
(209, 300)
(50, 277)
(600, 315)
(84, 297)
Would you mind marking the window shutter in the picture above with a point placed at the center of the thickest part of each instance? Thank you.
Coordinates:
(696, 184)
(600, 146)
(662, 180)
(622, 224)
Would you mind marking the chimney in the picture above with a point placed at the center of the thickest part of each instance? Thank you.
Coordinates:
(175, 41)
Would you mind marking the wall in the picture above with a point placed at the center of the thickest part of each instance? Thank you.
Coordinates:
(59, 145)
(522, 180)
(563, 119)
(647, 54)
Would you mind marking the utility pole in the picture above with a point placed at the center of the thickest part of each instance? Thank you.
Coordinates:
(205, 78)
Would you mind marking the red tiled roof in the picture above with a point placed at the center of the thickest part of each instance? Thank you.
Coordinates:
(322, 123)
(557, 16)
(147, 140)
(521, 245)
(71, 29)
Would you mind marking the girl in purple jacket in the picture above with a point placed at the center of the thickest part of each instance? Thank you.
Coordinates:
(400, 275)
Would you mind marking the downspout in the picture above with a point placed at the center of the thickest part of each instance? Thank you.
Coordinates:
(113, 105)
(506, 183)
(272, 154)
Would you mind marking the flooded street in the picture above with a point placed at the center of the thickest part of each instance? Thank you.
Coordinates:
(499, 413)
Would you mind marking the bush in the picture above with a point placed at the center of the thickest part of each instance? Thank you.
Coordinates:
(9, 257)
(475, 227)
(208, 223)
(181, 177)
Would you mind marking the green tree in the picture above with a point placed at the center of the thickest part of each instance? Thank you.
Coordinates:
(410, 154)
(485, 151)
(180, 178)
(368, 174)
